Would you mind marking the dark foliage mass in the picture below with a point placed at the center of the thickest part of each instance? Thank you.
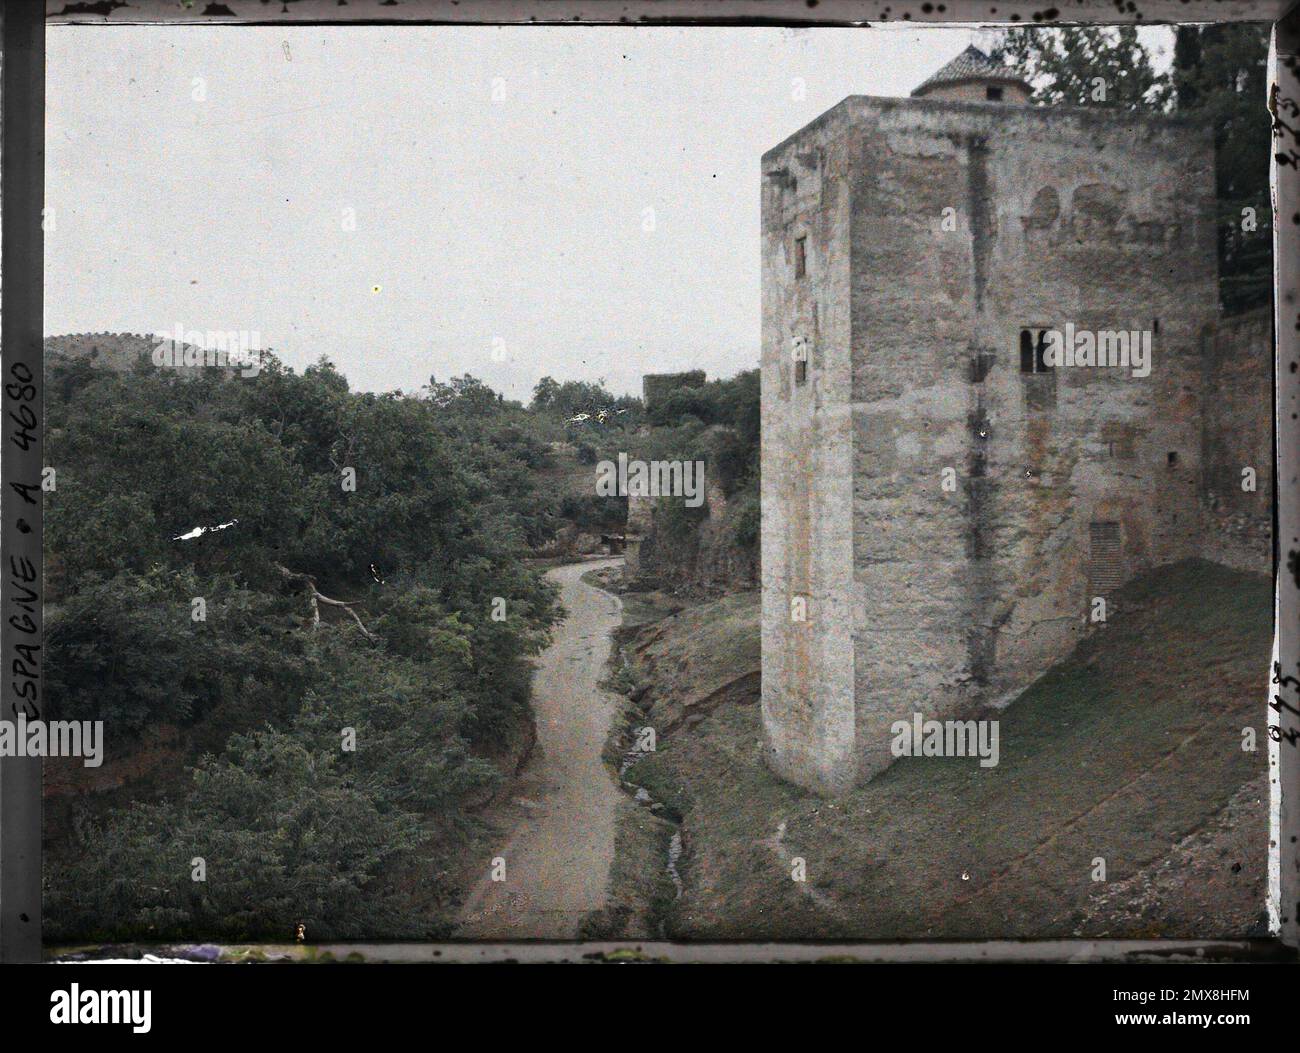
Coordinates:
(215, 635)
(717, 423)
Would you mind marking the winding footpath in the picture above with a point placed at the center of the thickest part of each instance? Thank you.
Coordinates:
(559, 839)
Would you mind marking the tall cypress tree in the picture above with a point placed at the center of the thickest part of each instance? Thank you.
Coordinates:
(1220, 72)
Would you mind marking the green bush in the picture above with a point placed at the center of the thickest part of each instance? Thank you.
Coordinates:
(292, 826)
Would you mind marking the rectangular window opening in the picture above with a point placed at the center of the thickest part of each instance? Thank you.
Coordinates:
(1033, 351)
(1119, 438)
(1105, 557)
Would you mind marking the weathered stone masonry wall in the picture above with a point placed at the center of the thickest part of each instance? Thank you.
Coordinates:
(808, 706)
(923, 600)
(1238, 433)
(964, 598)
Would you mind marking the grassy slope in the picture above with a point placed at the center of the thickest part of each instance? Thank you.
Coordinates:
(1122, 751)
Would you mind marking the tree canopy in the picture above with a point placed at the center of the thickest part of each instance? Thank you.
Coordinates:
(265, 564)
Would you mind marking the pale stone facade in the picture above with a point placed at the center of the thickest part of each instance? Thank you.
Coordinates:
(908, 245)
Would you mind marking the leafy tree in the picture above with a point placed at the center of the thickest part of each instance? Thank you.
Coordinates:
(435, 691)
(1083, 65)
(717, 423)
(574, 398)
(126, 650)
(284, 838)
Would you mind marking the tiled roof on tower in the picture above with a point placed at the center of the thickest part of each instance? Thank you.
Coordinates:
(969, 73)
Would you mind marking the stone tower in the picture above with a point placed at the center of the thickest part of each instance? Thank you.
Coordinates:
(973, 77)
(940, 505)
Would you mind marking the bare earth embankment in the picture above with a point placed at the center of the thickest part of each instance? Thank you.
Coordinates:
(558, 826)
(1129, 751)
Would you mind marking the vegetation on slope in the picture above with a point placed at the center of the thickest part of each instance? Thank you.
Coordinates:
(1128, 748)
(201, 539)
(216, 635)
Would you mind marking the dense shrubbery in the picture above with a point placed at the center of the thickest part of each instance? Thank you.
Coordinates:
(126, 651)
(717, 422)
(448, 497)
(291, 826)
(561, 405)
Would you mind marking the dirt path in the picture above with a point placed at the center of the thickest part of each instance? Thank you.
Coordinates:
(560, 822)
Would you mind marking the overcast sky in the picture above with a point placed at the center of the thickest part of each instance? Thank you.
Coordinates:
(500, 180)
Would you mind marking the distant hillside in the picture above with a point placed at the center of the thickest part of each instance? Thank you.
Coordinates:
(121, 352)
(117, 351)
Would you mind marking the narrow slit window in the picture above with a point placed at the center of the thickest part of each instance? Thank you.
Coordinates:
(1033, 351)
(1041, 364)
(801, 257)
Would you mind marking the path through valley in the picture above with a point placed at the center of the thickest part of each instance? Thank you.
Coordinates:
(558, 836)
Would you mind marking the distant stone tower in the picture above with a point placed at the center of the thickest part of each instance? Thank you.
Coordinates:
(940, 506)
(657, 386)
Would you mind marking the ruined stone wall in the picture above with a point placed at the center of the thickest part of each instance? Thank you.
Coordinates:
(640, 522)
(657, 386)
(718, 563)
(1094, 219)
(807, 552)
(1238, 434)
(706, 559)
